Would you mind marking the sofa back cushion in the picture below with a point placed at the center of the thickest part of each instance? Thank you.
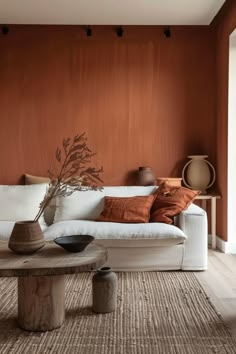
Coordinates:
(50, 210)
(19, 203)
(127, 210)
(89, 205)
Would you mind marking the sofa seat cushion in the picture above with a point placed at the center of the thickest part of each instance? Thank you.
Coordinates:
(7, 226)
(165, 234)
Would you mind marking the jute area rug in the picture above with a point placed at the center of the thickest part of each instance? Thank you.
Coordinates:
(158, 312)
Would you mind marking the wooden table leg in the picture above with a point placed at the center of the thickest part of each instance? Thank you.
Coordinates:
(41, 302)
(213, 222)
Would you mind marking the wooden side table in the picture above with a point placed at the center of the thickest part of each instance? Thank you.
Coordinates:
(212, 197)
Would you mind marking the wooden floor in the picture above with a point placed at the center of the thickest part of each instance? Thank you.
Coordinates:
(219, 282)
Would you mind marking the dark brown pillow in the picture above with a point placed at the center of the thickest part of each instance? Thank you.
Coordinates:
(127, 210)
(170, 201)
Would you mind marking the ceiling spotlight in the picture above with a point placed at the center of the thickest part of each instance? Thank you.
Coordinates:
(167, 32)
(120, 31)
(5, 30)
(89, 31)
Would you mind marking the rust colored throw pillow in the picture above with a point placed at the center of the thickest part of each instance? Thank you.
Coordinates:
(127, 210)
(170, 201)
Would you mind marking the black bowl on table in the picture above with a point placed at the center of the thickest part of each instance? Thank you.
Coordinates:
(74, 243)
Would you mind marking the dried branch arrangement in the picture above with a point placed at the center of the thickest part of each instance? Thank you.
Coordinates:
(73, 174)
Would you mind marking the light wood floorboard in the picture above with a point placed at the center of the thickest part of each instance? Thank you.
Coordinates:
(219, 282)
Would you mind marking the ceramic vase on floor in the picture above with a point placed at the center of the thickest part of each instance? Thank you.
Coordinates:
(198, 173)
(104, 289)
(26, 237)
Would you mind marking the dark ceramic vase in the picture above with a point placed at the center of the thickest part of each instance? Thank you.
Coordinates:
(146, 176)
(104, 284)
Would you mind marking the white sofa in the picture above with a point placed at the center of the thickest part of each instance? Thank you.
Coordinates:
(142, 246)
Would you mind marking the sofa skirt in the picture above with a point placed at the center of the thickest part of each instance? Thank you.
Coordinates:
(149, 258)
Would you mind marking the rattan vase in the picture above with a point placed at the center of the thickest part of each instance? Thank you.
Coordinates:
(26, 237)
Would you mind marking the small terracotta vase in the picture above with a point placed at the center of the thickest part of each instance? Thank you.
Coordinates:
(104, 286)
(26, 237)
(146, 176)
(173, 181)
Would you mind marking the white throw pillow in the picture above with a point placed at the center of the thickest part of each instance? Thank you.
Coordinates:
(89, 205)
(19, 203)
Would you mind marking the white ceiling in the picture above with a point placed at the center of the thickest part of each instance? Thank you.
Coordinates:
(109, 12)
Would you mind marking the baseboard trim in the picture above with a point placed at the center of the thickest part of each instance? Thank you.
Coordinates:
(224, 246)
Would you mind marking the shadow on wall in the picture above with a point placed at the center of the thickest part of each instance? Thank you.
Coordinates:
(131, 178)
(177, 169)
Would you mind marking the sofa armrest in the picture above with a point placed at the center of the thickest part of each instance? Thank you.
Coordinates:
(193, 222)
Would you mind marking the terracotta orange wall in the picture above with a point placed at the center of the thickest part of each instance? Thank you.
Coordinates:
(142, 99)
(223, 25)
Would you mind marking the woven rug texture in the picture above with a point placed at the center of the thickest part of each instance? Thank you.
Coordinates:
(157, 312)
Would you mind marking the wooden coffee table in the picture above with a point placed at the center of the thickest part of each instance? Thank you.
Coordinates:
(41, 281)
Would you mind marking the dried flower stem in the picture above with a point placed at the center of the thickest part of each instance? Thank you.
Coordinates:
(73, 175)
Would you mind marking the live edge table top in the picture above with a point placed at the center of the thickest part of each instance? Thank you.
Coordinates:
(50, 260)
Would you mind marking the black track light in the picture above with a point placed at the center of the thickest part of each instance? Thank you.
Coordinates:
(120, 31)
(5, 30)
(89, 31)
(167, 32)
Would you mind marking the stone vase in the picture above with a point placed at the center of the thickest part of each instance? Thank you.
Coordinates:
(26, 237)
(104, 290)
(146, 176)
(198, 173)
